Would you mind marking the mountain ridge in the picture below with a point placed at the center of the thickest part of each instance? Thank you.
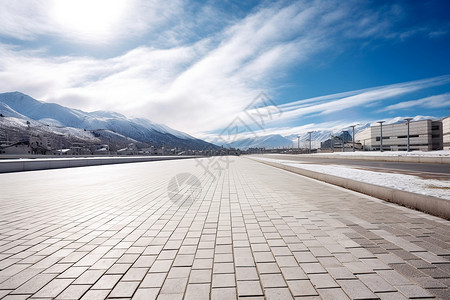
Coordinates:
(22, 106)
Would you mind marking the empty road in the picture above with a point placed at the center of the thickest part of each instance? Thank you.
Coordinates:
(437, 169)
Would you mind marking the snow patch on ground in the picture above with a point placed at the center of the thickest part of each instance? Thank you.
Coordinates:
(409, 183)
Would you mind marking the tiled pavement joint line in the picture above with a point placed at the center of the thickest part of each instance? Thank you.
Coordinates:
(200, 200)
(269, 281)
(230, 279)
(268, 257)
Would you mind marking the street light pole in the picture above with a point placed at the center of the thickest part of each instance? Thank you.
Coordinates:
(60, 143)
(353, 134)
(332, 143)
(407, 123)
(381, 135)
(309, 132)
(298, 143)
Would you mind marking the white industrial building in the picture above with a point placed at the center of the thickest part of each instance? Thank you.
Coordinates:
(446, 133)
(424, 135)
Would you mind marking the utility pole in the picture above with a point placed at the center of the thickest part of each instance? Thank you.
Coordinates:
(60, 143)
(381, 135)
(298, 143)
(332, 143)
(309, 132)
(408, 120)
(353, 134)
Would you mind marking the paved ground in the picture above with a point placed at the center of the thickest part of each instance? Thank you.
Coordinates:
(253, 231)
(438, 169)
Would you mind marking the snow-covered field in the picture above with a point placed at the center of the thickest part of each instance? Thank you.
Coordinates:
(409, 183)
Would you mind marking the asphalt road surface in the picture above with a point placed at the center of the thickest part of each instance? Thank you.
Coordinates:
(441, 169)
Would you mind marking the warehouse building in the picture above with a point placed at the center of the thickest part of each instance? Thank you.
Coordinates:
(424, 135)
(446, 133)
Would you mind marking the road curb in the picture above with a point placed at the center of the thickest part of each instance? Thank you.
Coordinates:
(411, 159)
(428, 204)
(46, 164)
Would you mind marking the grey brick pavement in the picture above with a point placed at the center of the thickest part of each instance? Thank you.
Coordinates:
(253, 231)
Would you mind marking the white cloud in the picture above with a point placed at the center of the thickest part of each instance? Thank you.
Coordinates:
(436, 101)
(338, 102)
(196, 85)
(85, 21)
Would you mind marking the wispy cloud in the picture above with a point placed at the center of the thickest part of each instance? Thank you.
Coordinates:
(338, 102)
(193, 84)
(436, 101)
(85, 21)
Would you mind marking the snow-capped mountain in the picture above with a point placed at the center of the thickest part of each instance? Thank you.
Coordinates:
(397, 120)
(277, 141)
(268, 142)
(21, 106)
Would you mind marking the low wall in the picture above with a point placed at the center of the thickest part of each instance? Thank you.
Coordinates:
(20, 165)
(428, 204)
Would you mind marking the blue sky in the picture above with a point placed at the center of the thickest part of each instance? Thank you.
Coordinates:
(196, 65)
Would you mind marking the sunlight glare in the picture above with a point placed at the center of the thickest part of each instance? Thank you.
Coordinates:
(90, 19)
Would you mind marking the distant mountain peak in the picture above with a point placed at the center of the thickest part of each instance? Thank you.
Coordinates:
(107, 114)
(19, 105)
(266, 141)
